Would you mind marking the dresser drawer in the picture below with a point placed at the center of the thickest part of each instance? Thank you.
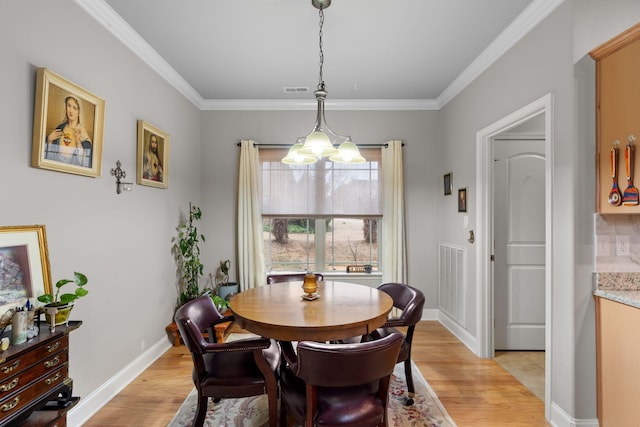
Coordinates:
(18, 364)
(24, 396)
(26, 377)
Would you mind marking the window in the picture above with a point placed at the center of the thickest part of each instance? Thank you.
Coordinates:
(321, 217)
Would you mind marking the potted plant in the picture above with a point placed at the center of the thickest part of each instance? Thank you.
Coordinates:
(224, 287)
(64, 303)
(186, 251)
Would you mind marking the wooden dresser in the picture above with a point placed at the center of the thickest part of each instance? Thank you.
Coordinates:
(35, 388)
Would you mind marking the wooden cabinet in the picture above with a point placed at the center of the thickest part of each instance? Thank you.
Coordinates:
(34, 373)
(618, 363)
(618, 114)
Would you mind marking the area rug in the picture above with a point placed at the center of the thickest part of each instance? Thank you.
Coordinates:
(253, 411)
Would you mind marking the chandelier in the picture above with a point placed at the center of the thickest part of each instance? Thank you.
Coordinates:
(322, 141)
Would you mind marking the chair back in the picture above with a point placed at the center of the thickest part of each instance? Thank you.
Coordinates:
(344, 365)
(406, 298)
(195, 317)
(289, 277)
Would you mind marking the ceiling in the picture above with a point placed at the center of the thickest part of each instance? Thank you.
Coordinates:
(393, 54)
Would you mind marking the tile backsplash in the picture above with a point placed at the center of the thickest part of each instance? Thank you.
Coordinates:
(617, 243)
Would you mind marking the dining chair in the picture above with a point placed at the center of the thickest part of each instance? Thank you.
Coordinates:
(289, 277)
(240, 368)
(338, 384)
(411, 302)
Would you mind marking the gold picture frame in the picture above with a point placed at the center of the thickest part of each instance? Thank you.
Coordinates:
(68, 126)
(24, 266)
(153, 156)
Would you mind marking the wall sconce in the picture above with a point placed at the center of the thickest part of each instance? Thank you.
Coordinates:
(120, 174)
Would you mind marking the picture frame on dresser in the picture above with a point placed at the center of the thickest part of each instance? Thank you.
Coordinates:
(24, 265)
(153, 156)
(68, 123)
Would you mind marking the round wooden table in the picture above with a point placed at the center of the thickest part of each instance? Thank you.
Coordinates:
(343, 310)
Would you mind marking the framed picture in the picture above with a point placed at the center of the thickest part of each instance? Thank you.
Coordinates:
(153, 156)
(462, 200)
(24, 265)
(447, 184)
(68, 124)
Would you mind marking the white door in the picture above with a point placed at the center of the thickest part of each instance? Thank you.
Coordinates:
(519, 245)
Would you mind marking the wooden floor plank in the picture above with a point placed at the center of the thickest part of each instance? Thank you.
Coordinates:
(476, 392)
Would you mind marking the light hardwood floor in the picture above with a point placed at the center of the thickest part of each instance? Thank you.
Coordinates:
(476, 392)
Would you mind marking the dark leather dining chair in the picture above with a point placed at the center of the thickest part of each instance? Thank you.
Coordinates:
(338, 384)
(226, 370)
(289, 277)
(411, 301)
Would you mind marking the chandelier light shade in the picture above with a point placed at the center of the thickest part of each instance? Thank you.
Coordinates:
(347, 153)
(322, 141)
(295, 157)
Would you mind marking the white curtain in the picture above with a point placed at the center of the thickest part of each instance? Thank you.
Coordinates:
(250, 241)
(394, 267)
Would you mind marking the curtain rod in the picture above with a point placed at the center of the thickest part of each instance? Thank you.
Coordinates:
(255, 144)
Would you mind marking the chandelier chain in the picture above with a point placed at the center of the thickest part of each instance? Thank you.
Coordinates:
(320, 78)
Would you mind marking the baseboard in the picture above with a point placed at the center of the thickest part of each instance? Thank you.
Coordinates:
(458, 331)
(559, 418)
(90, 405)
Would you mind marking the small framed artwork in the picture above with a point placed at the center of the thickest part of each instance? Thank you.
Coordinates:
(462, 200)
(68, 124)
(153, 156)
(24, 265)
(447, 184)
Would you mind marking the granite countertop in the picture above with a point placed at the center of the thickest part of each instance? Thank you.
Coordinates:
(620, 287)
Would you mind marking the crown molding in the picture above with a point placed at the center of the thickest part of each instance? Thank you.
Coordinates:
(334, 104)
(121, 30)
(525, 22)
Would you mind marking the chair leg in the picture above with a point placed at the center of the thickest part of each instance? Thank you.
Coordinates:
(409, 376)
(408, 401)
(201, 411)
(283, 412)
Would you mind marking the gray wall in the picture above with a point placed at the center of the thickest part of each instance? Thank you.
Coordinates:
(122, 242)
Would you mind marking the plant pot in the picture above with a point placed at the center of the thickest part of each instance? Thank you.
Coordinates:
(61, 316)
(227, 289)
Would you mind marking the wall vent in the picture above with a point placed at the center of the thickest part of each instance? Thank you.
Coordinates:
(452, 284)
(299, 89)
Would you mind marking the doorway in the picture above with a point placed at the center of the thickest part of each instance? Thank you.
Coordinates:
(485, 303)
(519, 237)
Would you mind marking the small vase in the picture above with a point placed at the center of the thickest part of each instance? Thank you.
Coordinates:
(310, 285)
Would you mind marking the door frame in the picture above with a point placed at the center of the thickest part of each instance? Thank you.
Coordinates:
(484, 235)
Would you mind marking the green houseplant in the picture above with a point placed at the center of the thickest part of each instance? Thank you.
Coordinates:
(186, 251)
(64, 303)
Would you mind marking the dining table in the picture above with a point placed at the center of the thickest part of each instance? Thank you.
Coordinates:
(340, 310)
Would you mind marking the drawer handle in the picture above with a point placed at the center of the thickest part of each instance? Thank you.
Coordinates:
(9, 406)
(53, 379)
(8, 369)
(11, 385)
(52, 362)
(53, 347)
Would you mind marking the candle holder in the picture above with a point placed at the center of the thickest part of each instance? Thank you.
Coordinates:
(310, 286)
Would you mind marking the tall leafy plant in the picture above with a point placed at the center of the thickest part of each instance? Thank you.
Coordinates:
(187, 253)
